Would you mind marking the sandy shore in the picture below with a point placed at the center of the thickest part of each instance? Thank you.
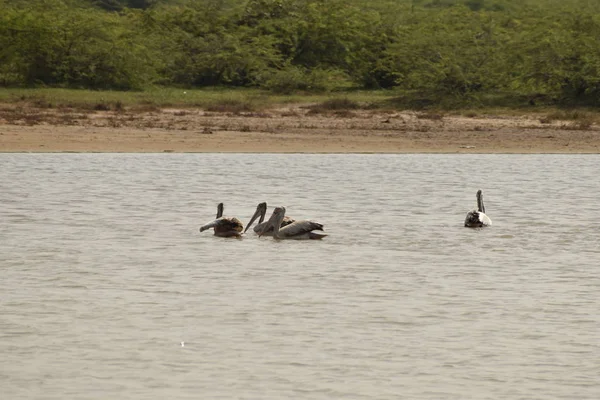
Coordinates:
(293, 129)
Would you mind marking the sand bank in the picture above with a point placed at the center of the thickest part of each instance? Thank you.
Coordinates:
(293, 129)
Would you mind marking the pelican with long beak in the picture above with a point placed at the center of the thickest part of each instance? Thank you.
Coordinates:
(261, 211)
(224, 226)
(295, 230)
(477, 218)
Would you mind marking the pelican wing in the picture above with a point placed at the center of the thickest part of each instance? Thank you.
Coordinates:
(259, 227)
(485, 220)
(231, 224)
(300, 228)
(477, 219)
(287, 221)
(472, 219)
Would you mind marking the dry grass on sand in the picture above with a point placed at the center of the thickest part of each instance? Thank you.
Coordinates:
(290, 129)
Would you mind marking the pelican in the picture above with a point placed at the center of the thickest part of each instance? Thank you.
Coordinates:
(261, 210)
(477, 218)
(295, 230)
(224, 226)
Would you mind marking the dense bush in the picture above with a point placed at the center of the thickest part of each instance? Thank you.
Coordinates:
(55, 43)
(452, 49)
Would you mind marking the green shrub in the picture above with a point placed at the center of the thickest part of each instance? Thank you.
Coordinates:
(295, 78)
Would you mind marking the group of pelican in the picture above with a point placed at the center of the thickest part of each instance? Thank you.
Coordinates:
(280, 226)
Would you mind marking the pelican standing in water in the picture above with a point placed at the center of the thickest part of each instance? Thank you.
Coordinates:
(477, 218)
(295, 230)
(224, 226)
(261, 210)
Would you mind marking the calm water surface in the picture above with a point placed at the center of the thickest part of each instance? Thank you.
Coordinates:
(104, 274)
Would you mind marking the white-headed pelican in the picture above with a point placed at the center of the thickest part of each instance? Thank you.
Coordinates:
(224, 226)
(477, 218)
(295, 230)
(261, 210)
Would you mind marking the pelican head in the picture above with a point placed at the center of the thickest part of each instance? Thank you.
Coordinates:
(213, 223)
(261, 211)
(209, 225)
(274, 221)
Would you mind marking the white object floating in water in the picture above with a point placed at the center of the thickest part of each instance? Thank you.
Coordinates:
(182, 344)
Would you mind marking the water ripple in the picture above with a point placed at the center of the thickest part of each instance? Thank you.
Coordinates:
(105, 275)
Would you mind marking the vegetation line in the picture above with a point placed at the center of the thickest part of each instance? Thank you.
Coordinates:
(415, 53)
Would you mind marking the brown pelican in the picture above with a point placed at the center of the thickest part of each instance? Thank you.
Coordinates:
(477, 218)
(295, 230)
(261, 210)
(224, 226)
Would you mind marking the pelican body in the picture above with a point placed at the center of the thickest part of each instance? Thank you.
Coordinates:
(261, 211)
(477, 218)
(296, 230)
(224, 226)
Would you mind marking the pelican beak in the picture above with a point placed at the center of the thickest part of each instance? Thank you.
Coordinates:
(274, 221)
(257, 214)
(480, 205)
(266, 228)
(209, 225)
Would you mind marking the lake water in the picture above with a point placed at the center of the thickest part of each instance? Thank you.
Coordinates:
(104, 274)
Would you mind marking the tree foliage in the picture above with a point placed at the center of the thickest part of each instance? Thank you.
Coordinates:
(447, 48)
(54, 43)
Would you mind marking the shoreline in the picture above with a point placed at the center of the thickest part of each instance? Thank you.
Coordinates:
(292, 129)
